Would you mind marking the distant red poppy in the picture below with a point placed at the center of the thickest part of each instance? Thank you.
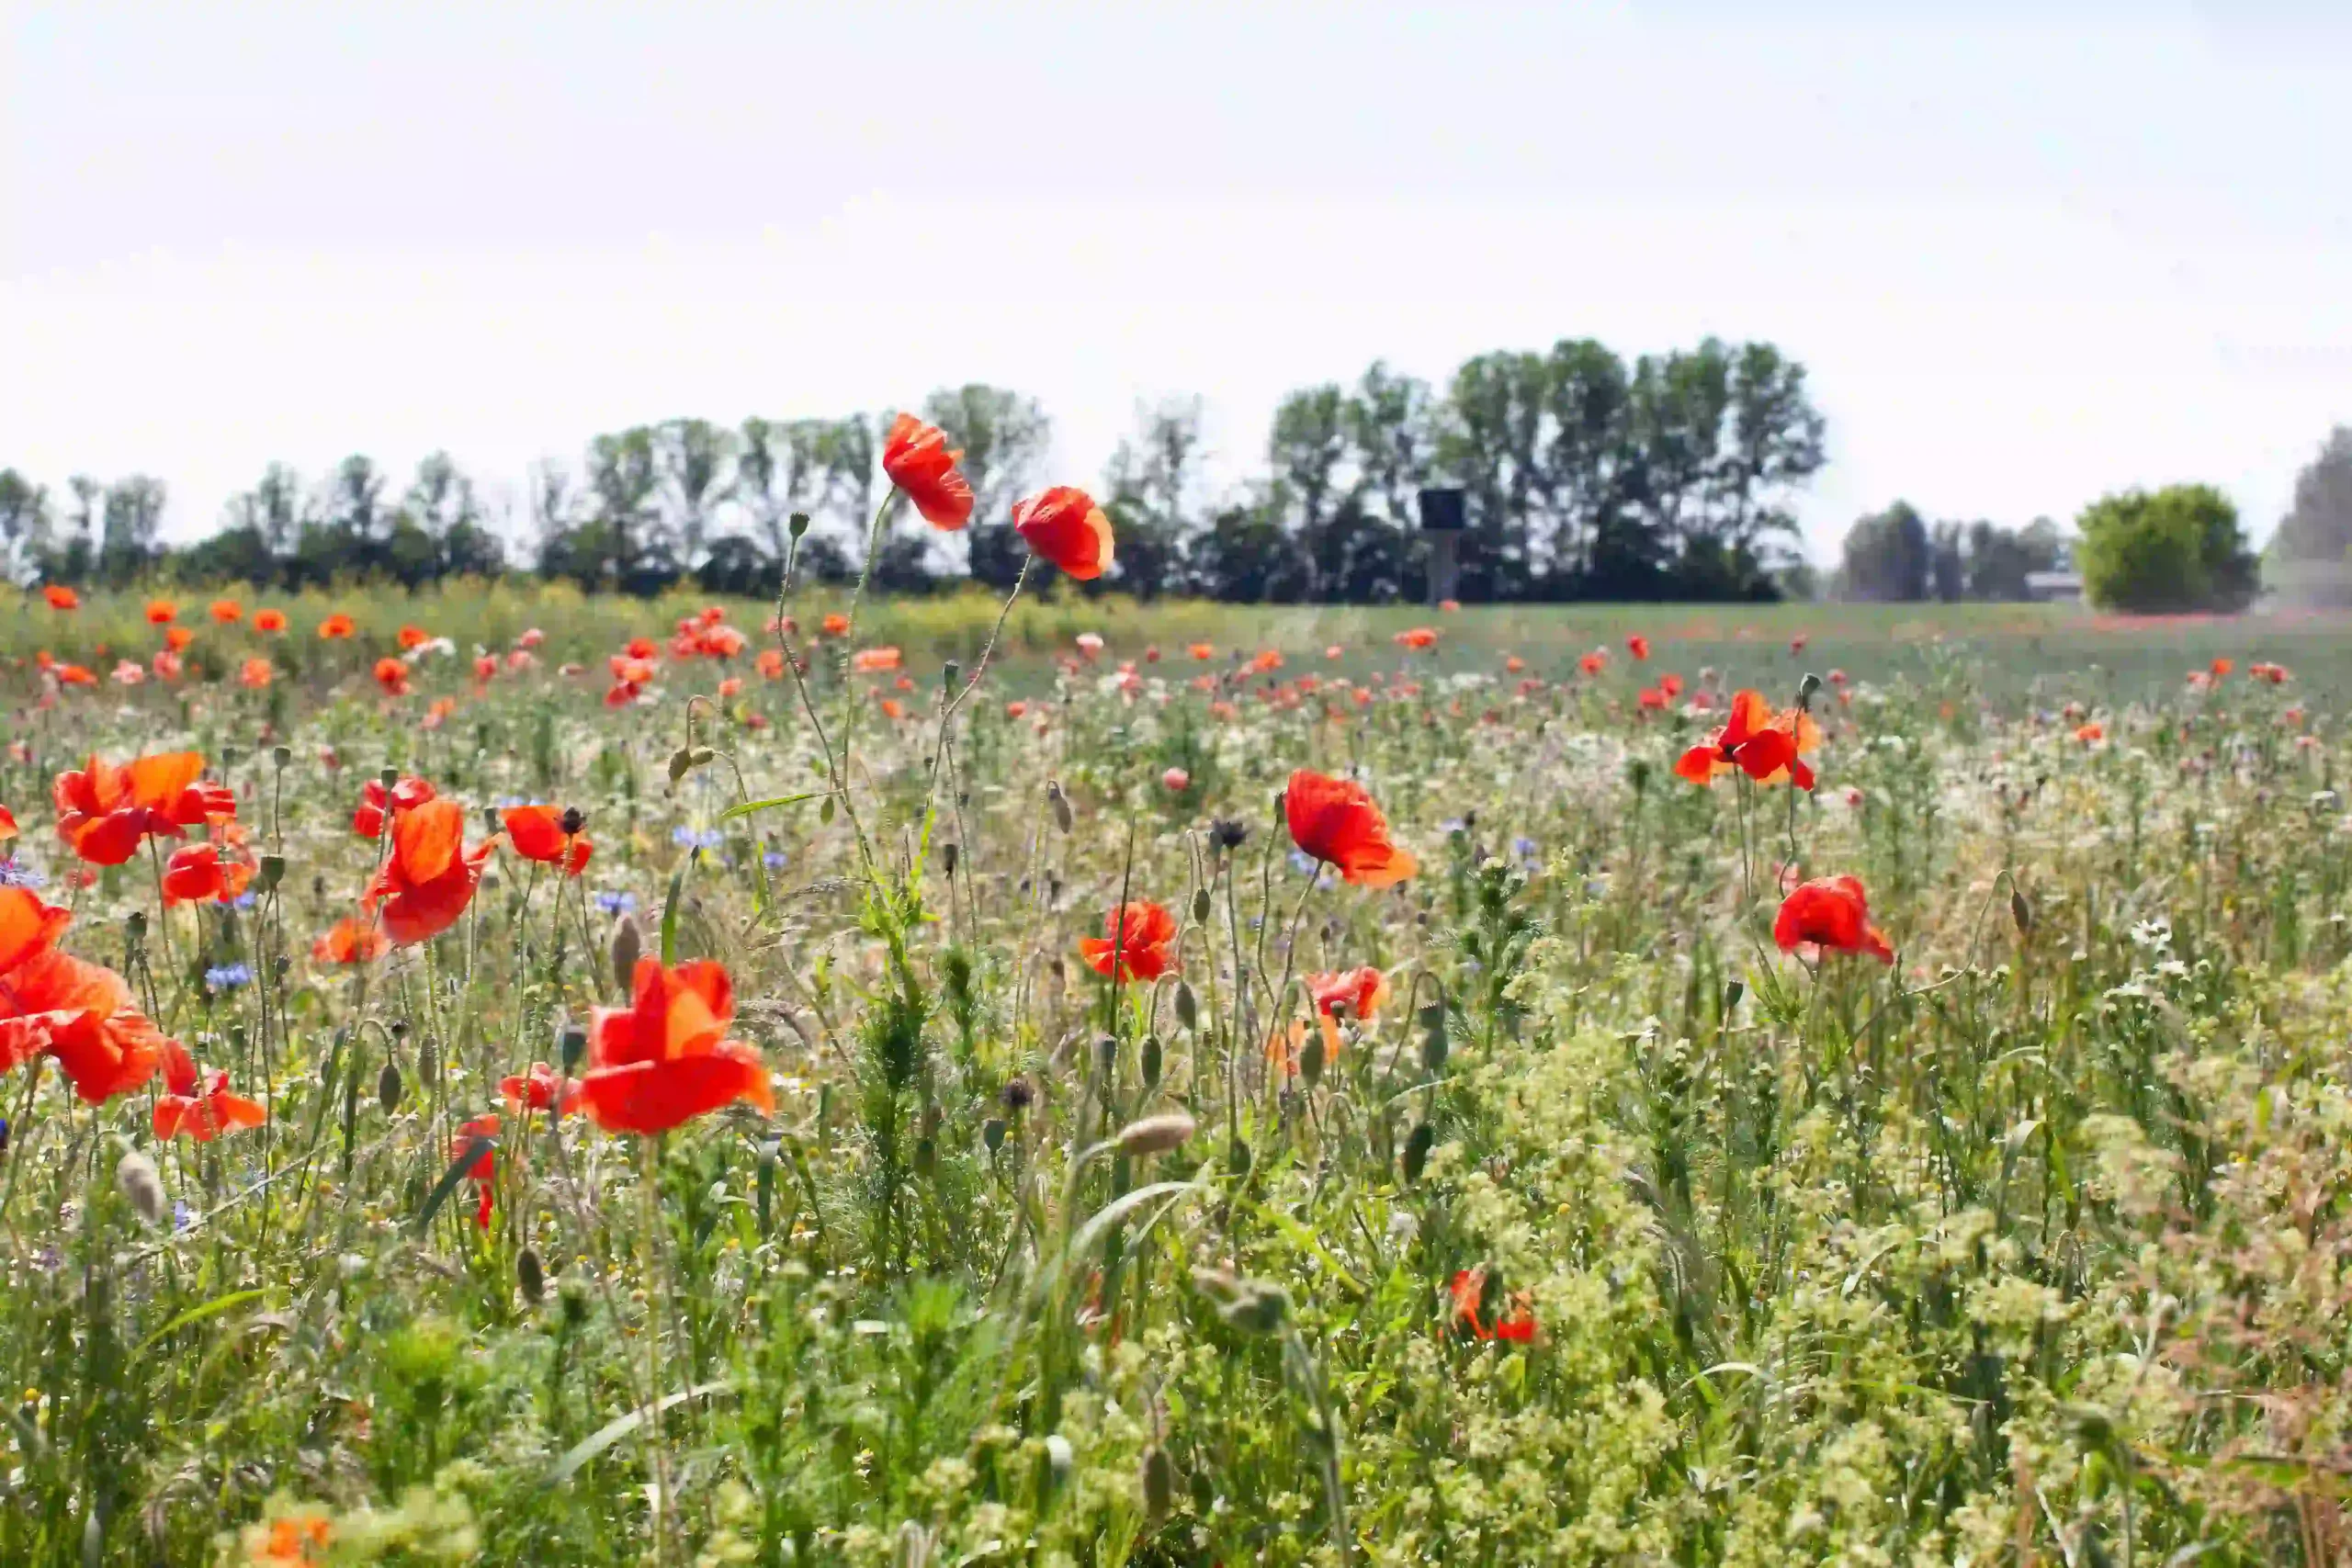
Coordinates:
(200, 873)
(60, 597)
(1593, 663)
(1796, 643)
(868, 661)
(721, 642)
(392, 676)
(536, 832)
(1830, 914)
(540, 1089)
(76, 675)
(666, 1058)
(1415, 639)
(1334, 820)
(161, 612)
(269, 620)
(336, 627)
(255, 674)
(1671, 685)
(429, 878)
(228, 612)
(1357, 993)
(1063, 526)
(1515, 1323)
(1767, 747)
(1200, 650)
(2091, 732)
(1448, 606)
(353, 941)
(483, 1169)
(176, 638)
(770, 663)
(1138, 937)
(916, 459)
(2222, 667)
(834, 625)
(200, 1104)
(104, 811)
(413, 637)
(1638, 646)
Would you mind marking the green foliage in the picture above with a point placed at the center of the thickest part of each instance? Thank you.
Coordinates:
(2173, 549)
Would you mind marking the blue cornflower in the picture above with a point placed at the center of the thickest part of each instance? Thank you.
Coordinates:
(698, 837)
(182, 1215)
(1527, 850)
(775, 860)
(245, 900)
(15, 872)
(228, 976)
(616, 903)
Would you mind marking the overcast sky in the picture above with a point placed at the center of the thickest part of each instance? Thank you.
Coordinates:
(2026, 260)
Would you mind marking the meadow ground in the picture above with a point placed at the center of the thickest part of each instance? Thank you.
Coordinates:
(1615, 1188)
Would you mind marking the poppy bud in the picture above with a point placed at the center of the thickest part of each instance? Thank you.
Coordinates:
(1310, 1060)
(1416, 1151)
(388, 1087)
(530, 1276)
(1106, 1052)
(799, 525)
(1188, 1007)
(134, 927)
(1159, 1482)
(136, 1179)
(1238, 1158)
(948, 855)
(2020, 912)
(388, 778)
(281, 756)
(623, 947)
(1201, 905)
(1805, 689)
(571, 821)
(949, 674)
(993, 1134)
(229, 755)
(1151, 1061)
(1433, 1041)
(571, 1045)
(272, 872)
(1060, 803)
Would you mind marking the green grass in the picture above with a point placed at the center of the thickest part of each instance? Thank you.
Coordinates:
(2030, 1248)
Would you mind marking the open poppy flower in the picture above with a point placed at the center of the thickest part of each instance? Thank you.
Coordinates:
(27, 926)
(1139, 938)
(720, 641)
(103, 811)
(429, 878)
(176, 638)
(1767, 747)
(269, 620)
(483, 1170)
(337, 627)
(367, 820)
(76, 675)
(1355, 993)
(1415, 639)
(201, 873)
(227, 612)
(540, 1089)
(538, 834)
(1829, 914)
(391, 674)
(1638, 646)
(1334, 820)
(161, 612)
(60, 597)
(8, 825)
(80, 1014)
(1063, 526)
(255, 674)
(353, 941)
(411, 639)
(871, 660)
(916, 459)
(665, 1058)
(199, 1104)
(1515, 1323)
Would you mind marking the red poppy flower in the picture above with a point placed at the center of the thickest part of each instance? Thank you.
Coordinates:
(200, 873)
(227, 612)
(200, 1104)
(536, 832)
(1830, 914)
(722, 642)
(2091, 732)
(1515, 1323)
(916, 459)
(540, 1089)
(1638, 646)
(76, 675)
(367, 820)
(269, 620)
(1334, 820)
(1415, 638)
(1671, 685)
(103, 811)
(1593, 663)
(161, 612)
(1766, 748)
(8, 825)
(411, 639)
(393, 675)
(176, 638)
(868, 661)
(353, 941)
(1138, 937)
(26, 925)
(336, 627)
(1063, 526)
(1359, 991)
(483, 1170)
(255, 674)
(666, 1058)
(60, 597)
(82, 1015)
(429, 878)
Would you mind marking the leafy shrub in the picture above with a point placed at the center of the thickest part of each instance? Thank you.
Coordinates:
(2173, 549)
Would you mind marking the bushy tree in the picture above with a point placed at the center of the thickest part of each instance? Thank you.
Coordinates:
(2172, 549)
(2311, 556)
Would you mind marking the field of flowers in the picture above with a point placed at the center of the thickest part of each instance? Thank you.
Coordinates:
(504, 1077)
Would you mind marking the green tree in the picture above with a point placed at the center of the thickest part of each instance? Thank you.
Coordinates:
(2173, 549)
(1887, 557)
(1147, 490)
(696, 459)
(2311, 556)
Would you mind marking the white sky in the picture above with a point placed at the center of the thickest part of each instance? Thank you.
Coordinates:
(2027, 258)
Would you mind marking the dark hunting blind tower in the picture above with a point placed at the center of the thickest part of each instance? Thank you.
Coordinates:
(1442, 522)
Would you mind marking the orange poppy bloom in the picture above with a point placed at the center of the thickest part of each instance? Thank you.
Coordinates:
(1830, 914)
(770, 663)
(1334, 820)
(60, 597)
(338, 626)
(161, 612)
(353, 941)
(1652, 698)
(413, 637)
(368, 818)
(722, 642)
(1015, 708)
(1063, 526)
(269, 620)
(1593, 663)
(429, 878)
(199, 1104)
(103, 811)
(2090, 732)
(2222, 667)
(916, 459)
(1414, 640)
(1138, 937)
(1359, 991)
(892, 708)
(1515, 1323)
(392, 676)
(540, 1089)
(1766, 748)
(1671, 685)
(228, 612)
(177, 638)
(867, 661)
(254, 673)
(1638, 646)
(82, 1015)
(731, 687)
(200, 873)
(1268, 661)
(27, 926)
(666, 1058)
(76, 675)
(537, 834)
(8, 830)
(835, 625)
(1202, 651)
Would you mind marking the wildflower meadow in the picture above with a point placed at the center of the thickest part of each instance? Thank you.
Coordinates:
(506, 1077)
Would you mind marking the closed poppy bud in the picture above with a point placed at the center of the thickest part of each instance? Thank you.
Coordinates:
(1310, 1060)
(1151, 1061)
(993, 1134)
(1433, 1041)
(1806, 687)
(1418, 1144)
(1732, 993)
(388, 1087)
(624, 947)
(281, 756)
(1060, 803)
(1188, 1007)
(799, 524)
(949, 673)
(948, 855)
(1251, 1306)
(1159, 1482)
(273, 872)
(530, 1276)
(2020, 912)
(1201, 905)
(571, 1045)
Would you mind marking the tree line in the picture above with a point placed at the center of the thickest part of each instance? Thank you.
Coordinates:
(1585, 476)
